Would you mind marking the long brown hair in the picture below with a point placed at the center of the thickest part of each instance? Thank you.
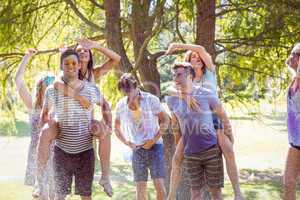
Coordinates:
(90, 67)
(188, 57)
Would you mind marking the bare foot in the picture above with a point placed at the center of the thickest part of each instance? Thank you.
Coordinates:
(239, 196)
(107, 188)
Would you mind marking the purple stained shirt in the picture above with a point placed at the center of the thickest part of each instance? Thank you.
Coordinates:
(197, 127)
(293, 117)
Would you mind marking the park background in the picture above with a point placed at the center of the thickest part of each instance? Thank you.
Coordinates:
(249, 41)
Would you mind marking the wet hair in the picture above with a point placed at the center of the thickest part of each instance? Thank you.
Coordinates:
(187, 66)
(44, 80)
(127, 82)
(90, 66)
(67, 53)
(188, 57)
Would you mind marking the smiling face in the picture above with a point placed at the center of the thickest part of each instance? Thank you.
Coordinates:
(70, 66)
(197, 63)
(84, 53)
(180, 77)
(293, 60)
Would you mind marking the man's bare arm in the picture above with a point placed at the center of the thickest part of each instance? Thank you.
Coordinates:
(175, 128)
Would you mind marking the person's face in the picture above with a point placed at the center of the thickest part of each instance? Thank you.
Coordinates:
(197, 64)
(293, 60)
(180, 77)
(84, 54)
(195, 60)
(130, 92)
(70, 66)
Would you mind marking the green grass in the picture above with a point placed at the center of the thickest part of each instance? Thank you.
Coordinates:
(265, 190)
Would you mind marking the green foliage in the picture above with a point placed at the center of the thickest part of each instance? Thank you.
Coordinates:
(109, 88)
(253, 38)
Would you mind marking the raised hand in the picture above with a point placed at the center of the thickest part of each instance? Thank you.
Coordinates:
(62, 47)
(30, 52)
(86, 43)
(172, 47)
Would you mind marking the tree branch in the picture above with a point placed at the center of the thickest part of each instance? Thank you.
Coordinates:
(177, 22)
(10, 20)
(149, 37)
(54, 50)
(50, 28)
(158, 54)
(251, 70)
(82, 17)
(101, 6)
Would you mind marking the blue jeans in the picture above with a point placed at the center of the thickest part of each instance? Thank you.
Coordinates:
(152, 159)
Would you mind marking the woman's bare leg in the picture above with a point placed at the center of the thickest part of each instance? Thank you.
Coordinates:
(231, 167)
(104, 149)
(176, 170)
(48, 133)
(291, 172)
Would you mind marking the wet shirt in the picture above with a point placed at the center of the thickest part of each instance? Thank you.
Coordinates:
(208, 81)
(293, 117)
(74, 121)
(142, 124)
(197, 127)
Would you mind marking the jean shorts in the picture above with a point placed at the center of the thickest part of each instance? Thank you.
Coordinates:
(152, 159)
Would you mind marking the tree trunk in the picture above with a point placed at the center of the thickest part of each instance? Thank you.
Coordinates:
(114, 34)
(141, 29)
(206, 24)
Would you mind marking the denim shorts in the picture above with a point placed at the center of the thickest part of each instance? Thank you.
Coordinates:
(152, 159)
(217, 122)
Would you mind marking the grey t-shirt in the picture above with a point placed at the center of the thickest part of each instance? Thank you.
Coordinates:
(196, 127)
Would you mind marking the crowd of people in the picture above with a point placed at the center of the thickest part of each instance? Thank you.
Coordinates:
(64, 128)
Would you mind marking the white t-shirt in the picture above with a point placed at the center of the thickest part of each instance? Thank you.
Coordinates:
(138, 130)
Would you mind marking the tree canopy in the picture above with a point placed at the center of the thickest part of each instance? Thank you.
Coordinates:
(249, 39)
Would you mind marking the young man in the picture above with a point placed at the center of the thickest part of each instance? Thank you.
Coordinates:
(201, 153)
(140, 116)
(73, 152)
(292, 165)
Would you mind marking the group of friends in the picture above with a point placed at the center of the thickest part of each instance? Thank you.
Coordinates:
(64, 128)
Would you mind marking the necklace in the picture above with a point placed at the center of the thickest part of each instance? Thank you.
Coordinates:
(68, 85)
(66, 82)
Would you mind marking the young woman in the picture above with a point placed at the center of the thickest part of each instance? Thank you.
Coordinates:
(34, 105)
(89, 73)
(205, 77)
(292, 166)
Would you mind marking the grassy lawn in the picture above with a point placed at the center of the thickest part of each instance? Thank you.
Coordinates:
(266, 190)
(260, 146)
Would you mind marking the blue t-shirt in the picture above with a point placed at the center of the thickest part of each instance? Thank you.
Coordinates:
(197, 127)
(208, 81)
